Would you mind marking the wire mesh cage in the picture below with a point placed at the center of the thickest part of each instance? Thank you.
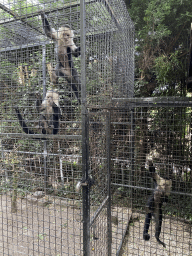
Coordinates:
(84, 164)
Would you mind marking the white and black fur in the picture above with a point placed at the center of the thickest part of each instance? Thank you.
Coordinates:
(65, 47)
(154, 203)
(49, 111)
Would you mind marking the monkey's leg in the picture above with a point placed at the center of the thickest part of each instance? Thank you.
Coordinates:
(38, 102)
(158, 223)
(77, 52)
(148, 217)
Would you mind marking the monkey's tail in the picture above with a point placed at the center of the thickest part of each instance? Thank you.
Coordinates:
(22, 122)
(160, 242)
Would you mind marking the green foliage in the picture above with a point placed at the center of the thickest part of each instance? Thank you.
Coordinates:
(162, 33)
(154, 20)
(19, 78)
(93, 12)
(168, 68)
(6, 70)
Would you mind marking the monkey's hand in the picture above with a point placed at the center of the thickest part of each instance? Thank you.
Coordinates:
(43, 15)
(151, 169)
(77, 52)
(146, 236)
(16, 109)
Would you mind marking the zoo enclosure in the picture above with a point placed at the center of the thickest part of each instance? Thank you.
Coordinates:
(119, 133)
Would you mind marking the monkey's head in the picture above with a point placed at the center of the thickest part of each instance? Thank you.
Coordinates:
(66, 36)
(50, 98)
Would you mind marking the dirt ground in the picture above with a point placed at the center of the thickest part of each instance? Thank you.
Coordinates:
(43, 228)
(53, 227)
(175, 234)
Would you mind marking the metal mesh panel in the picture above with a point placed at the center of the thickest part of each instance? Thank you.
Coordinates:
(157, 131)
(110, 52)
(41, 210)
(55, 182)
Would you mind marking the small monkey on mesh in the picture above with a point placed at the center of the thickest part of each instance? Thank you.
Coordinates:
(64, 48)
(49, 114)
(154, 203)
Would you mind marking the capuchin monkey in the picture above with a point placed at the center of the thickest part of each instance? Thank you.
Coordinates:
(50, 114)
(154, 204)
(64, 47)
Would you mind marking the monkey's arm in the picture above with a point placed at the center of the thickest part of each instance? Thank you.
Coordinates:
(69, 56)
(38, 102)
(153, 174)
(56, 110)
(49, 31)
(76, 53)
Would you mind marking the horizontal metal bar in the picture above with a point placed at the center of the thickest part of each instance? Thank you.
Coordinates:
(153, 102)
(41, 154)
(51, 154)
(98, 211)
(46, 11)
(25, 46)
(41, 136)
(151, 189)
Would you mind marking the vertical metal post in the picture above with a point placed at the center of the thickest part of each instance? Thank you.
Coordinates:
(44, 69)
(85, 137)
(45, 142)
(132, 152)
(108, 149)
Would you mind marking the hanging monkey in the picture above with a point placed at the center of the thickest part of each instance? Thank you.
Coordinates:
(154, 203)
(64, 47)
(49, 114)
